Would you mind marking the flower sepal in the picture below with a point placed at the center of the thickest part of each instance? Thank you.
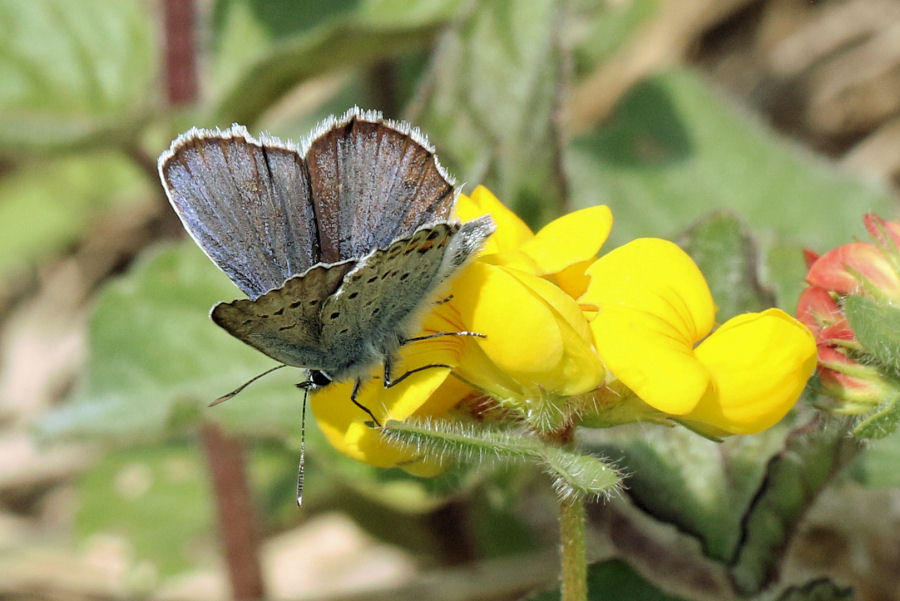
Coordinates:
(614, 405)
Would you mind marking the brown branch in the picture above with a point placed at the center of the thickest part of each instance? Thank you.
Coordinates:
(234, 502)
(180, 53)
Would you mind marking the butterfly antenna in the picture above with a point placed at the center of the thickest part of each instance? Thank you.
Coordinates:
(302, 449)
(237, 390)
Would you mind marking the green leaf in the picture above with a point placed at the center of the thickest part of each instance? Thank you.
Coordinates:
(700, 486)
(602, 28)
(280, 46)
(158, 498)
(46, 206)
(157, 360)
(575, 474)
(877, 327)
(73, 74)
(456, 441)
(817, 590)
(492, 99)
(726, 255)
(786, 272)
(881, 422)
(614, 580)
(578, 475)
(876, 466)
(675, 150)
(793, 480)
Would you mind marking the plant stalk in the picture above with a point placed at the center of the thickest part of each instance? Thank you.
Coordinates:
(237, 517)
(573, 560)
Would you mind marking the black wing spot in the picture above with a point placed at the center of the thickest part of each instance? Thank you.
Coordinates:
(282, 328)
(353, 295)
(314, 302)
(434, 235)
(376, 311)
(295, 304)
(279, 311)
(404, 276)
(372, 279)
(344, 331)
(334, 315)
(264, 316)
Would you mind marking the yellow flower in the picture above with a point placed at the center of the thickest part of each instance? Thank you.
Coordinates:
(655, 314)
(537, 346)
(423, 394)
(536, 350)
(560, 251)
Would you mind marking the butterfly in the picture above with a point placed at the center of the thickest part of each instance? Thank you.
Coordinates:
(339, 243)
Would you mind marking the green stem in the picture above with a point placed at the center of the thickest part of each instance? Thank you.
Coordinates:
(573, 569)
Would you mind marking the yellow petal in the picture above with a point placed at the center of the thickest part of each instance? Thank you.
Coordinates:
(511, 230)
(580, 368)
(574, 279)
(570, 239)
(760, 363)
(520, 329)
(344, 424)
(512, 258)
(653, 306)
(536, 337)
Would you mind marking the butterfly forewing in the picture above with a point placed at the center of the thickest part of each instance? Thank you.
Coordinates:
(362, 215)
(373, 182)
(246, 203)
(284, 323)
(371, 312)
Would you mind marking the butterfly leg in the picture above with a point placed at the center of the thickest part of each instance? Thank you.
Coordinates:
(353, 394)
(439, 335)
(390, 383)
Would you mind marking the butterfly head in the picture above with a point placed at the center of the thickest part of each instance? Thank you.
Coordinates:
(317, 379)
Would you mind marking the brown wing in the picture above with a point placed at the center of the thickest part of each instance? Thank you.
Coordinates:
(284, 323)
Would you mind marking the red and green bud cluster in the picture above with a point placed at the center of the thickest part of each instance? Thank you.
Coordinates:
(860, 269)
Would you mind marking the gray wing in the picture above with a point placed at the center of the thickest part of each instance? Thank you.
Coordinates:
(284, 323)
(373, 181)
(245, 202)
(377, 300)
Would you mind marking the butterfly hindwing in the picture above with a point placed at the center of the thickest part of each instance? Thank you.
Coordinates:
(284, 323)
(246, 203)
(373, 181)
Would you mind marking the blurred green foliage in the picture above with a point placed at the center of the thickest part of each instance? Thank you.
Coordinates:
(81, 105)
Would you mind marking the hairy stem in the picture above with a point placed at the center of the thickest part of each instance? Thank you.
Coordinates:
(573, 568)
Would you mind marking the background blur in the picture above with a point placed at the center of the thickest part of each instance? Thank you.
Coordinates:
(783, 113)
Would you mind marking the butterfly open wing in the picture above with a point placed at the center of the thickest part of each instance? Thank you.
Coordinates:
(373, 181)
(284, 323)
(245, 202)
